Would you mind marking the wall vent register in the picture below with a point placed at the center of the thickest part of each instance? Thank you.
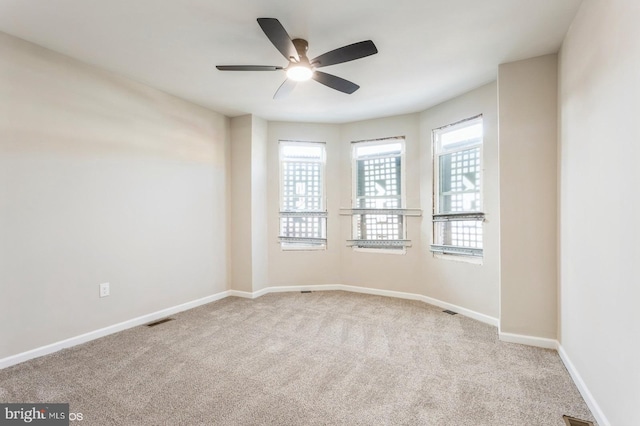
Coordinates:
(162, 321)
(572, 421)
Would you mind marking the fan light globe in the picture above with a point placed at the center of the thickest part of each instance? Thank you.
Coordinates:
(299, 73)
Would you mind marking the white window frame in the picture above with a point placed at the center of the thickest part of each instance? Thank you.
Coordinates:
(470, 216)
(288, 243)
(399, 246)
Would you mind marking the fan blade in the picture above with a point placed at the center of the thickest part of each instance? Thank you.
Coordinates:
(284, 89)
(247, 68)
(335, 82)
(279, 37)
(346, 54)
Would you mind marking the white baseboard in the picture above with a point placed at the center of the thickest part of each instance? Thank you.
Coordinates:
(243, 294)
(462, 311)
(430, 300)
(540, 342)
(505, 337)
(92, 335)
(54, 347)
(582, 387)
(374, 291)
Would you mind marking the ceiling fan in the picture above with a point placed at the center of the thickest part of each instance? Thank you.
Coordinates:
(300, 68)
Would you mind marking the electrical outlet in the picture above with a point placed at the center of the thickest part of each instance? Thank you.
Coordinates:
(104, 289)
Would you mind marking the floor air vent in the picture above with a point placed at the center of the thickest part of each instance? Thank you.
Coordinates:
(571, 421)
(162, 321)
(450, 312)
(305, 291)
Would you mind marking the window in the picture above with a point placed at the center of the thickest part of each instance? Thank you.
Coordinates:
(303, 215)
(378, 199)
(457, 188)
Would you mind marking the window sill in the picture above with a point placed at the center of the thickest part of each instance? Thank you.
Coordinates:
(474, 260)
(380, 250)
(303, 248)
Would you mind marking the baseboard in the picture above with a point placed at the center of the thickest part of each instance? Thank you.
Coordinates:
(377, 292)
(540, 342)
(505, 337)
(92, 335)
(54, 347)
(287, 288)
(463, 311)
(243, 294)
(582, 387)
(430, 300)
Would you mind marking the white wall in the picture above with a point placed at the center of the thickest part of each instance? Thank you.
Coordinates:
(104, 179)
(260, 236)
(528, 192)
(248, 230)
(304, 267)
(241, 230)
(600, 204)
(101, 180)
(398, 272)
(125, 184)
(471, 286)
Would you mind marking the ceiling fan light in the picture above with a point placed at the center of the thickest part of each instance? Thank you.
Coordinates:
(299, 73)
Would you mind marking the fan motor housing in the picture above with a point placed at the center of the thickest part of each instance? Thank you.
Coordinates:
(301, 46)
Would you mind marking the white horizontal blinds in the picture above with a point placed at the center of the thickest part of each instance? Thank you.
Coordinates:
(458, 188)
(378, 196)
(303, 215)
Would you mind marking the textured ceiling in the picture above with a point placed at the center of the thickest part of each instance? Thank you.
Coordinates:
(429, 50)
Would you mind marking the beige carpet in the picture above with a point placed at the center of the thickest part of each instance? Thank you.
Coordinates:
(297, 359)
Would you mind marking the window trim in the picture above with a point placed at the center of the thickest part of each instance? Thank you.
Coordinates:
(302, 243)
(391, 248)
(471, 215)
